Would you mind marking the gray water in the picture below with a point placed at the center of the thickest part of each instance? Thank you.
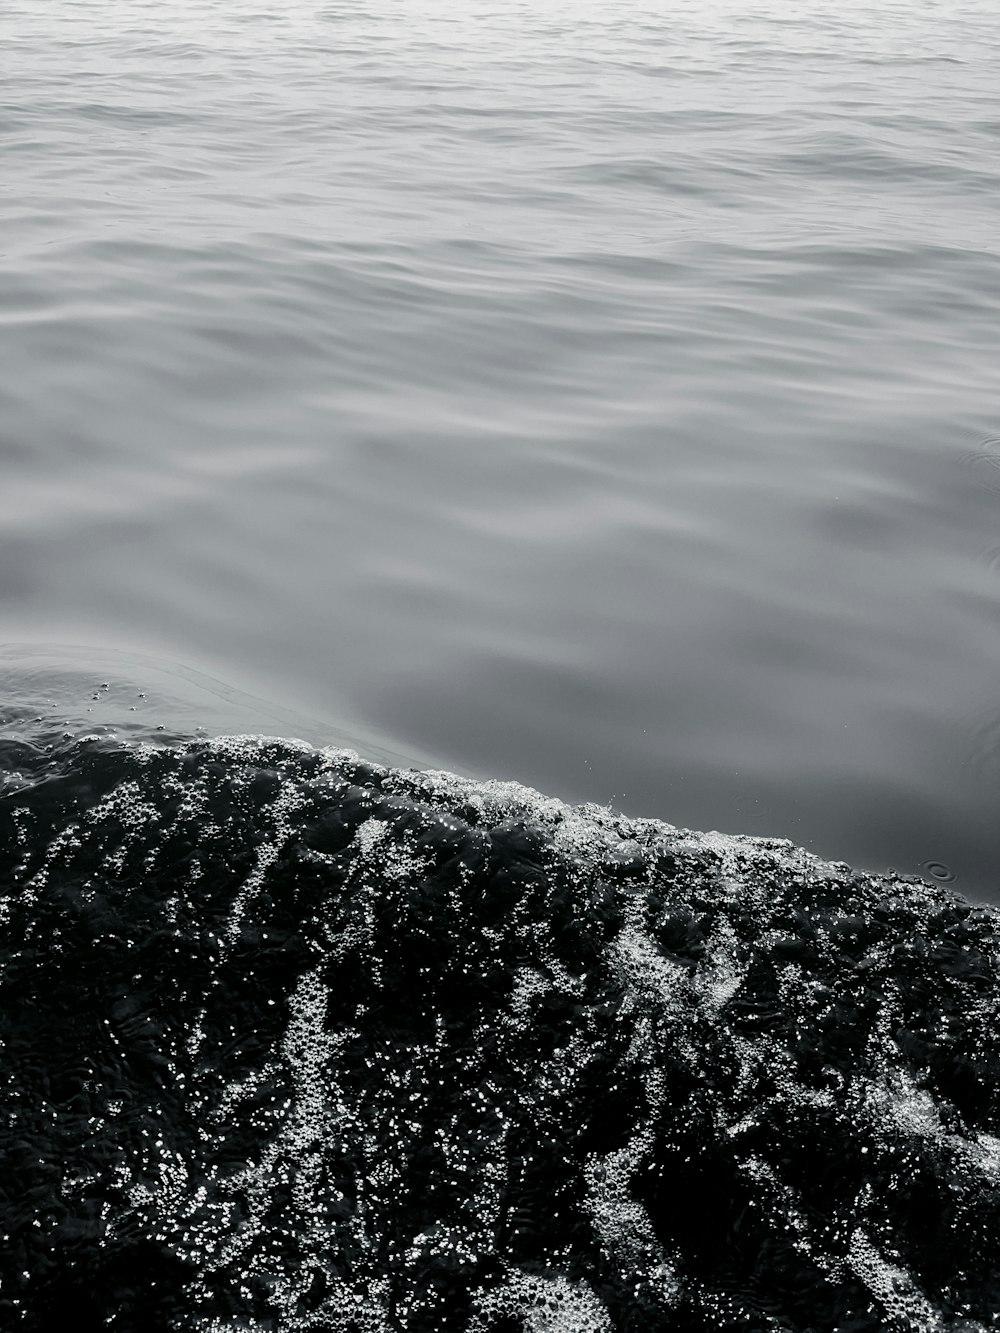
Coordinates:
(599, 396)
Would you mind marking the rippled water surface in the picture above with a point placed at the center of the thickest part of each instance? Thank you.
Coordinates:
(601, 396)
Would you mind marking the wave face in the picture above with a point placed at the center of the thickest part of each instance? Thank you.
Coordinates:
(297, 1042)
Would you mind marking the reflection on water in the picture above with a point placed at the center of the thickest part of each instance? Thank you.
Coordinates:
(588, 396)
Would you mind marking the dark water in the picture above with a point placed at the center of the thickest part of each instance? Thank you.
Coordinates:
(292, 1041)
(595, 397)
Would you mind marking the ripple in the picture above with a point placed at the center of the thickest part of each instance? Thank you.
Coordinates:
(939, 871)
(985, 463)
(983, 743)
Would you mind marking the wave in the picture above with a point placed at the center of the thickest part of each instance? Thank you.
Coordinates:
(296, 1041)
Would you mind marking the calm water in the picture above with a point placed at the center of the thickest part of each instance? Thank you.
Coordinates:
(588, 395)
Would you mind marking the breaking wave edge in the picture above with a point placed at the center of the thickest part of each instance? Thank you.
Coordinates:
(294, 1041)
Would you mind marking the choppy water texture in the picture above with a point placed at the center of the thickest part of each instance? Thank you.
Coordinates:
(292, 1041)
(599, 396)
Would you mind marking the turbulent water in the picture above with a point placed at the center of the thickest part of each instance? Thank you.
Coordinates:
(295, 1041)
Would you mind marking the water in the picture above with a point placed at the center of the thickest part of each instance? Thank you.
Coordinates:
(601, 398)
(578, 395)
(295, 1042)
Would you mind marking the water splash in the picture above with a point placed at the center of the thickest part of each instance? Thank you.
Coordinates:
(296, 1042)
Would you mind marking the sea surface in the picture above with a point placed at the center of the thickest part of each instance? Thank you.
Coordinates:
(295, 1042)
(400, 403)
(599, 396)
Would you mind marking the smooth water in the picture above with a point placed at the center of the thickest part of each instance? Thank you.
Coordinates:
(594, 396)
